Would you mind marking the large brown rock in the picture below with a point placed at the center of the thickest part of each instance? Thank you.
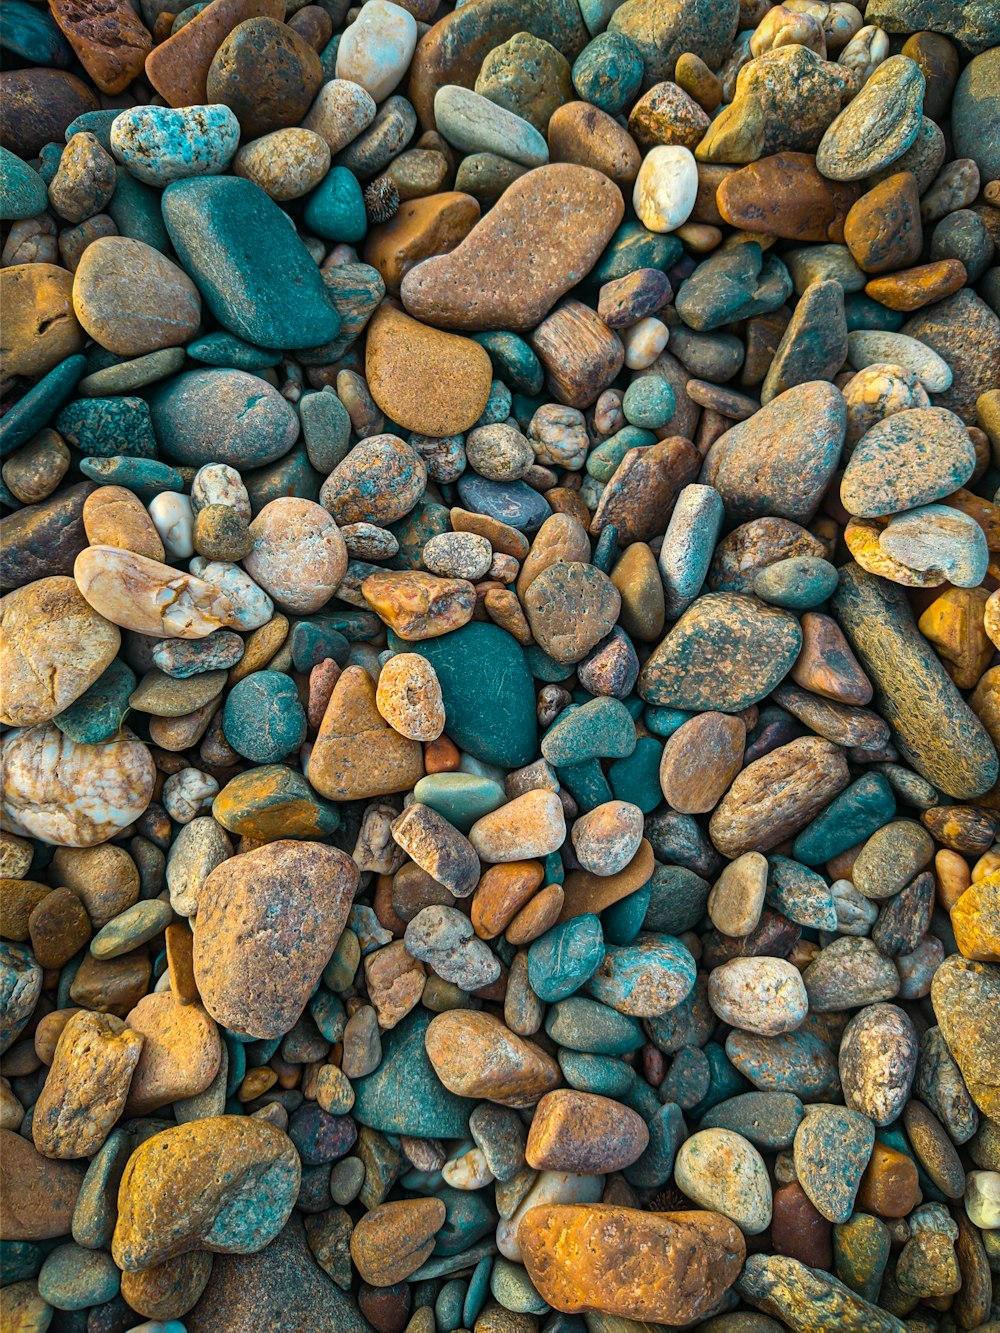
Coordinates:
(267, 924)
(668, 1268)
(475, 1055)
(785, 195)
(38, 1195)
(45, 538)
(178, 68)
(36, 105)
(641, 495)
(181, 1052)
(545, 233)
(39, 326)
(108, 38)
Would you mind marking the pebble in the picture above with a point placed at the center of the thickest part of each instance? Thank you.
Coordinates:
(162, 144)
(375, 50)
(666, 187)
(723, 1172)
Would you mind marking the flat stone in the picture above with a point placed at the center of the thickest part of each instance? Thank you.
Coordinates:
(451, 375)
(877, 126)
(486, 281)
(356, 753)
(892, 468)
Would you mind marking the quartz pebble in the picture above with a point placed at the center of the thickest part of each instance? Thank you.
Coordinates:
(500, 762)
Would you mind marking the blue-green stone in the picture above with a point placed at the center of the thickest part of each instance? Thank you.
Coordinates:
(580, 1024)
(32, 34)
(263, 719)
(146, 476)
(600, 1074)
(313, 641)
(585, 782)
(798, 583)
(602, 462)
(632, 247)
(601, 729)
(565, 957)
(425, 520)
(850, 818)
(404, 1095)
(100, 711)
(42, 402)
(636, 778)
(677, 901)
(74, 1278)
(623, 920)
(108, 427)
(225, 349)
(513, 361)
(864, 312)
(97, 123)
(135, 210)
(336, 208)
(461, 798)
(608, 72)
(665, 721)
(468, 1218)
(667, 1131)
(22, 190)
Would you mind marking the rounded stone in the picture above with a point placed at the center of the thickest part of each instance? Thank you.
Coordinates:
(131, 299)
(724, 1172)
(286, 164)
(160, 144)
(222, 416)
(379, 481)
(761, 995)
(409, 697)
(666, 188)
(266, 73)
(878, 1061)
(298, 556)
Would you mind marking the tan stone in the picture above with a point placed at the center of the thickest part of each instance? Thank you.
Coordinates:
(395, 982)
(584, 1133)
(587, 892)
(108, 37)
(409, 697)
(85, 1091)
(700, 760)
(38, 1195)
(501, 893)
(180, 1054)
(589, 137)
(131, 299)
(298, 556)
(475, 1055)
(40, 328)
(392, 1240)
(356, 754)
(103, 878)
(115, 516)
(417, 605)
(432, 225)
(148, 597)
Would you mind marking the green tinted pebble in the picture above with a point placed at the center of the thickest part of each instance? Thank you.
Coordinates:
(223, 416)
(644, 978)
(810, 1298)
(498, 405)
(606, 549)
(450, 1303)
(798, 583)
(632, 247)
(725, 1081)
(109, 427)
(515, 1291)
(97, 123)
(262, 719)
(340, 971)
(800, 894)
(665, 721)
(468, 1217)
(404, 1095)
(860, 1253)
(236, 1058)
(32, 33)
(732, 284)
(146, 476)
(253, 271)
(125, 376)
(501, 1134)
(326, 427)
(565, 957)
(649, 402)
(291, 475)
(636, 777)
(767, 1119)
(546, 668)
(513, 361)
(602, 462)
(328, 57)
(586, 1025)
(623, 920)
(677, 901)
(585, 782)
(365, 924)
(313, 641)
(667, 1132)
(137, 925)
(850, 818)
(792, 1062)
(100, 711)
(73, 1278)
(555, 871)
(186, 15)
(225, 349)
(461, 798)
(20, 1260)
(601, 729)
(488, 693)
(599, 1074)
(688, 1079)
(135, 210)
(608, 72)
(328, 1012)
(479, 1286)
(862, 312)
(22, 190)
(40, 404)
(336, 208)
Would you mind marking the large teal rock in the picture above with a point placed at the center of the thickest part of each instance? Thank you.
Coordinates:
(850, 818)
(461, 798)
(222, 416)
(404, 1095)
(601, 729)
(256, 276)
(108, 427)
(489, 696)
(562, 959)
(22, 190)
(31, 32)
(975, 109)
(646, 978)
(336, 208)
(100, 711)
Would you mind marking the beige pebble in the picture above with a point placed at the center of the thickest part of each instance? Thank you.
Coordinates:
(409, 697)
(148, 597)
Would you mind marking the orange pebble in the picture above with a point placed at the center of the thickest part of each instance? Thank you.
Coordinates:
(442, 756)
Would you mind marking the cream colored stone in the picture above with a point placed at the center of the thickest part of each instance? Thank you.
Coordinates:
(666, 187)
(150, 598)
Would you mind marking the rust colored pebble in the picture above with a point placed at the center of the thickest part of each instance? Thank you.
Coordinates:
(700, 760)
(799, 1230)
(392, 1240)
(889, 1186)
(536, 916)
(915, 287)
(502, 892)
(786, 196)
(584, 1133)
(180, 963)
(587, 892)
(108, 38)
(667, 1268)
(39, 1195)
(178, 67)
(475, 1055)
(442, 756)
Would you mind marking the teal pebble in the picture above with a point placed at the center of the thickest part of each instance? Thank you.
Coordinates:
(425, 520)
(135, 210)
(100, 711)
(850, 818)
(798, 583)
(146, 476)
(365, 924)
(580, 1024)
(22, 190)
(523, 406)
(608, 72)
(555, 871)
(606, 551)
(800, 894)
(488, 693)
(636, 777)
(479, 1286)
(291, 475)
(461, 798)
(665, 721)
(222, 416)
(648, 402)
(326, 427)
(49, 157)
(225, 349)
(97, 123)
(602, 1075)
(726, 1080)
(340, 971)
(136, 926)
(42, 401)
(328, 57)
(329, 1014)
(468, 1217)
(20, 1260)
(262, 719)
(237, 1063)
(73, 1278)
(404, 1095)
(632, 247)
(796, 1062)
(585, 782)
(186, 15)
(768, 1119)
(313, 641)
(623, 920)
(601, 729)
(254, 273)
(513, 361)
(498, 405)
(546, 668)
(514, 1289)
(627, 968)
(667, 1132)
(688, 1078)
(108, 427)
(336, 208)
(450, 1303)
(32, 33)
(862, 312)
(602, 462)
(565, 957)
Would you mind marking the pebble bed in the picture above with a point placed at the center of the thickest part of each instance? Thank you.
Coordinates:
(501, 554)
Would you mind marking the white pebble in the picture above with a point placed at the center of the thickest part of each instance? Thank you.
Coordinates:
(982, 1199)
(644, 342)
(468, 1172)
(188, 793)
(174, 521)
(375, 50)
(220, 484)
(251, 603)
(666, 187)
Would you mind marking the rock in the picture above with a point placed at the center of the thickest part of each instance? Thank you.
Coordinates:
(964, 995)
(877, 126)
(530, 825)
(975, 113)
(39, 1195)
(180, 1052)
(178, 68)
(40, 326)
(883, 230)
(203, 1212)
(725, 1173)
(486, 282)
(419, 606)
(585, 1134)
(883, 474)
(375, 50)
(266, 73)
(453, 373)
(38, 105)
(807, 1298)
(599, 1257)
(787, 195)
(475, 1055)
(379, 481)
(404, 1095)
(526, 76)
(831, 1150)
(356, 753)
(587, 136)
(878, 1060)
(753, 468)
(115, 270)
(440, 850)
(303, 912)
(571, 606)
(42, 676)
(49, 780)
(159, 145)
(409, 697)
(761, 995)
(394, 1239)
(286, 164)
(86, 1087)
(298, 555)
(246, 260)
(665, 188)
(474, 124)
(965, 332)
